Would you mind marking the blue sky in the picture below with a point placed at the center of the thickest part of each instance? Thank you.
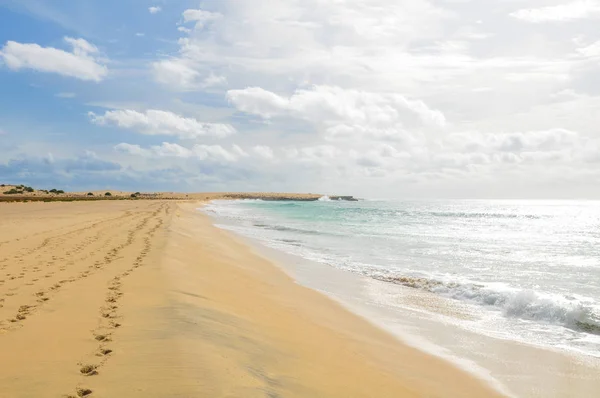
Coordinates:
(380, 98)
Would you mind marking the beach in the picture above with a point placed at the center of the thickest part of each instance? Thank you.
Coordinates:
(149, 299)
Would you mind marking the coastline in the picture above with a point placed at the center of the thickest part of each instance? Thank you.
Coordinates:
(434, 325)
(164, 303)
(322, 347)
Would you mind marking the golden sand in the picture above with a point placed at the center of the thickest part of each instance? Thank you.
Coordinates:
(149, 299)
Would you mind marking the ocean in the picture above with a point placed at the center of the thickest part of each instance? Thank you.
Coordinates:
(526, 271)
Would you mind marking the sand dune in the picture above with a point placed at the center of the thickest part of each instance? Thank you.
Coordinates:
(148, 299)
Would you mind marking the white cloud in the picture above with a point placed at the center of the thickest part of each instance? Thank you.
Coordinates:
(80, 64)
(200, 17)
(81, 46)
(178, 74)
(559, 13)
(210, 153)
(335, 104)
(591, 51)
(263, 151)
(515, 142)
(157, 122)
(344, 114)
(154, 10)
(384, 97)
(139, 34)
(214, 80)
(175, 73)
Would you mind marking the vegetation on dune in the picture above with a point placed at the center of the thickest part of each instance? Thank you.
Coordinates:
(108, 194)
(90, 194)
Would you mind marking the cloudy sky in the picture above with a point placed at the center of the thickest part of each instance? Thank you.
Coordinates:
(377, 98)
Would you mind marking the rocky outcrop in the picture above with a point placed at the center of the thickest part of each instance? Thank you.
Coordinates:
(346, 198)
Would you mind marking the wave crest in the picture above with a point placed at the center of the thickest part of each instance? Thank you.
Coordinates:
(522, 304)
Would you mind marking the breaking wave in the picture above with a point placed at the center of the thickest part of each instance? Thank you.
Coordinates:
(577, 314)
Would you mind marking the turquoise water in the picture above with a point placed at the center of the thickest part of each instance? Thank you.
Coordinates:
(528, 270)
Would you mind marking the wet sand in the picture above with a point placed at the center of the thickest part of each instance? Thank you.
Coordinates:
(149, 299)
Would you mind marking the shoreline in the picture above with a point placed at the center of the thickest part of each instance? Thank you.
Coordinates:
(511, 367)
(157, 301)
(422, 376)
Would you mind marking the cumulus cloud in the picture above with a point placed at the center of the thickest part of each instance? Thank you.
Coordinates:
(81, 46)
(180, 74)
(81, 63)
(157, 122)
(335, 103)
(591, 51)
(263, 151)
(214, 80)
(342, 114)
(200, 17)
(559, 13)
(175, 73)
(210, 153)
(516, 142)
(154, 9)
(377, 95)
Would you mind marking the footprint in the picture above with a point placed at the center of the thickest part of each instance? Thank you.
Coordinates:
(102, 337)
(105, 351)
(89, 370)
(83, 392)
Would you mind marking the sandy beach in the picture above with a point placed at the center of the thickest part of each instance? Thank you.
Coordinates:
(149, 299)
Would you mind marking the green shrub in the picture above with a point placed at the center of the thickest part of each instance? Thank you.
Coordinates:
(108, 194)
(90, 194)
(12, 191)
(28, 189)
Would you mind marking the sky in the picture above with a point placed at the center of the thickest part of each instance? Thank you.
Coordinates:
(374, 98)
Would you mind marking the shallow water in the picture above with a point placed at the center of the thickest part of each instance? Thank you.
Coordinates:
(527, 271)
